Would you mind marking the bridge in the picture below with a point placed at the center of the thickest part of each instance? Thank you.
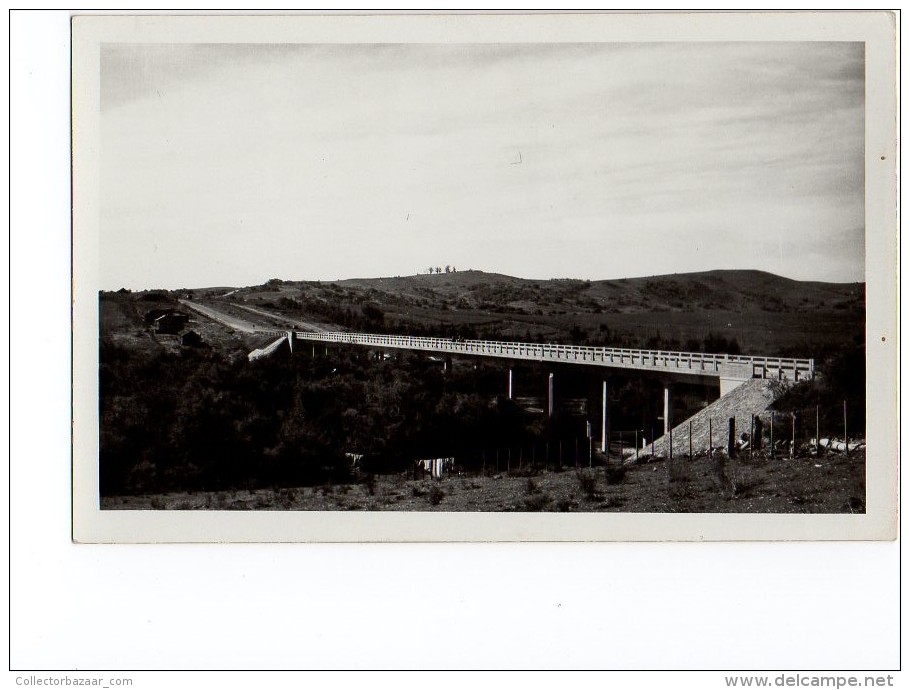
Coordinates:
(728, 371)
(697, 367)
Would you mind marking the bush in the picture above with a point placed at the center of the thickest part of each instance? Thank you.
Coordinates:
(436, 495)
(678, 472)
(615, 473)
(537, 503)
(588, 482)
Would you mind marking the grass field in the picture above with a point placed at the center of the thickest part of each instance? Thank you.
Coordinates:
(832, 483)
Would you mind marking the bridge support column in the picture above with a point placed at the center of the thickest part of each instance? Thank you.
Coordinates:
(668, 409)
(291, 341)
(550, 395)
(510, 383)
(604, 425)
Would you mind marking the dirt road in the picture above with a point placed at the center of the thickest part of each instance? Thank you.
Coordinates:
(286, 321)
(234, 322)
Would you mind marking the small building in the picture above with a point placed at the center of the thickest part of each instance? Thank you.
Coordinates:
(171, 322)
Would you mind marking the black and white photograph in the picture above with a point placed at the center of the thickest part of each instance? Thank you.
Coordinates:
(612, 277)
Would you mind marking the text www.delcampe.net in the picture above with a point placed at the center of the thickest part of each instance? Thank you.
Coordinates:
(809, 681)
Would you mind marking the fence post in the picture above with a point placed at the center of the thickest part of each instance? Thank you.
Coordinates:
(846, 440)
(710, 438)
(772, 435)
(731, 436)
(671, 443)
(636, 445)
(793, 434)
(621, 447)
(751, 434)
(818, 440)
(690, 440)
(652, 441)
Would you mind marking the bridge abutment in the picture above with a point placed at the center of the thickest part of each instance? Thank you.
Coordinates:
(733, 375)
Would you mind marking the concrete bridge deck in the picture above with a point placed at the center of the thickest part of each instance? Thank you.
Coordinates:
(678, 365)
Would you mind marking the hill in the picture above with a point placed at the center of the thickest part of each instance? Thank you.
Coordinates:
(763, 313)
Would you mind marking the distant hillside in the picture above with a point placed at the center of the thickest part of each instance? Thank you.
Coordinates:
(752, 311)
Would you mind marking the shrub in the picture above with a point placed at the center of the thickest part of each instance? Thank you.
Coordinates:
(565, 505)
(612, 502)
(436, 495)
(588, 482)
(721, 479)
(615, 473)
(678, 471)
(537, 502)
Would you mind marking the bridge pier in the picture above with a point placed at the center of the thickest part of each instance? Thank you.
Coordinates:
(550, 400)
(510, 383)
(604, 425)
(668, 409)
(291, 341)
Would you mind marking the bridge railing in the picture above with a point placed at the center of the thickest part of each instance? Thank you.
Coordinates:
(699, 363)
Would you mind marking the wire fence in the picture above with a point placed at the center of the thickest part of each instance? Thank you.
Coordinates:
(803, 432)
(810, 430)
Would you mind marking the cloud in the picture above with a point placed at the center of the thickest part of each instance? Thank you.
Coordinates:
(239, 163)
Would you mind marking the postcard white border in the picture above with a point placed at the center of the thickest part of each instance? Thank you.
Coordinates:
(876, 29)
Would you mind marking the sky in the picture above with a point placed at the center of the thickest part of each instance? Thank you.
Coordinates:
(228, 165)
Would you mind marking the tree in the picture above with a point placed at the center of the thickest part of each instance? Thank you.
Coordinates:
(448, 268)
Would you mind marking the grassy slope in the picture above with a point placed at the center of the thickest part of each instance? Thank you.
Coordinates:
(767, 314)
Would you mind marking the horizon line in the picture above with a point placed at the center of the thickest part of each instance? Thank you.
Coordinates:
(488, 272)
